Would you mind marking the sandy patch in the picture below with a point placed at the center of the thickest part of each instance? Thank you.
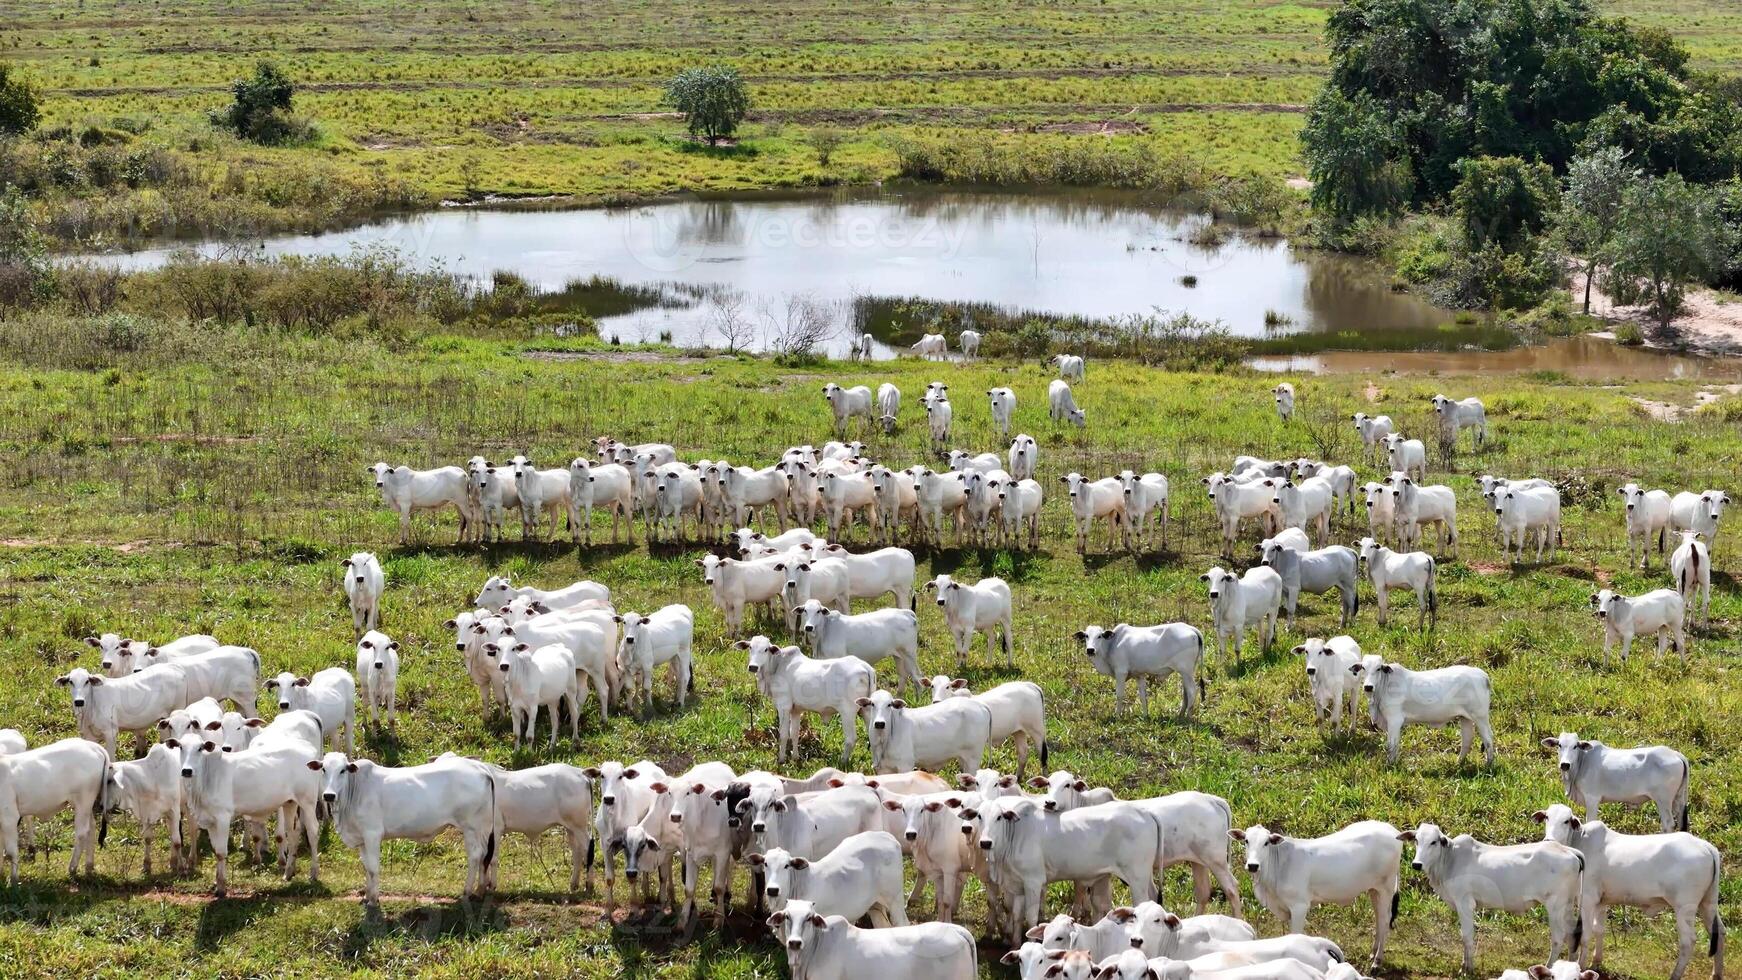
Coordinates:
(1372, 392)
(124, 547)
(1672, 412)
(1706, 325)
(1299, 183)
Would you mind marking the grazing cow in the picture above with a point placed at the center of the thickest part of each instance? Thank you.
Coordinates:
(862, 876)
(150, 789)
(106, 708)
(1316, 572)
(1019, 503)
(406, 491)
(875, 573)
(608, 486)
(1414, 570)
(1024, 457)
(938, 417)
(1691, 568)
(542, 798)
(369, 804)
(1648, 514)
(796, 684)
(1144, 495)
(1003, 407)
(1456, 416)
(1522, 512)
(1331, 676)
(1284, 400)
(932, 347)
(1381, 516)
(1698, 512)
(665, 636)
(844, 403)
(1240, 602)
(364, 584)
(1406, 455)
(544, 677)
(983, 607)
(38, 782)
(1103, 498)
(378, 675)
(1653, 872)
(1659, 612)
(927, 736)
(274, 775)
(1373, 430)
(1061, 406)
(121, 656)
(1469, 875)
(1029, 846)
(330, 695)
(888, 406)
(970, 344)
(625, 797)
(1341, 478)
(1071, 367)
(823, 579)
(1238, 499)
(867, 637)
(1018, 712)
(546, 491)
(1290, 874)
(1148, 653)
(499, 591)
(1304, 502)
(1413, 505)
(1435, 698)
(737, 585)
(831, 948)
(1593, 773)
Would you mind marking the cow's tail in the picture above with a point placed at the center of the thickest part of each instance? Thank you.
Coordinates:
(1715, 927)
(103, 807)
(495, 822)
(1681, 797)
(1044, 764)
(1691, 574)
(1396, 900)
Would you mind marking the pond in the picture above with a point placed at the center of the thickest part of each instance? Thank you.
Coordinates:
(884, 259)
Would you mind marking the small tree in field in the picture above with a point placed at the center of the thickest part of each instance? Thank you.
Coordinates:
(261, 107)
(713, 100)
(19, 104)
(1670, 234)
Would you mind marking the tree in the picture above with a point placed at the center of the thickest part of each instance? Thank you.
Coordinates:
(1504, 201)
(260, 109)
(20, 104)
(1590, 208)
(826, 141)
(1670, 233)
(24, 267)
(713, 100)
(1354, 156)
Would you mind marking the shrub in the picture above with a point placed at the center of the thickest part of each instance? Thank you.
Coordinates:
(20, 104)
(260, 107)
(1629, 333)
(713, 100)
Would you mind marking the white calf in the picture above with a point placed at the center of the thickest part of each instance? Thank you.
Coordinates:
(1406, 455)
(1003, 407)
(904, 738)
(1018, 712)
(625, 797)
(1330, 675)
(378, 675)
(498, 591)
(868, 637)
(1414, 570)
(983, 607)
(1240, 602)
(1523, 512)
(604, 485)
(1144, 495)
(888, 406)
(1284, 400)
(970, 344)
(1019, 503)
(1456, 416)
(1698, 512)
(1236, 500)
(938, 495)
(1148, 653)
(1381, 516)
(1469, 875)
(1061, 406)
(812, 825)
(938, 417)
(831, 948)
(150, 789)
(560, 797)
(844, 403)
(1103, 498)
(1291, 874)
(407, 491)
(1024, 457)
(272, 776)
(123, 656)
(1413, 505)
(1593, 773)
(737, 585)
(539, 678)
(846, 496)
(1373, 430)
(364, 584)
(1435, 698)
(823, 579)
(542, 491)
(104, 708)
(1029, 846)
(39, 782)
(1070, 366)
(1308, 502)
(1316, 572)
(1648, 514)
(1691, 568)
(1659, 612)
(861, 876)
(330, 695)
(666, 636)
(797, 684)
(875, 573)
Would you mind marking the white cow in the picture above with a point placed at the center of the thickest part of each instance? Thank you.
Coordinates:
(1381, 516)
(1144, 495)
(814, 824)
(1019, 503)
(970, 344)
(665, 636)
(1659, 612)
(1373, 430)
(330, 695)
(1024, 457)
(888, 406)
(845, 497)
(121, 656)
(150, 789)
(737, 585)
(1593, 773)
(608, 486)
(938, 417)
(1029, 846)
(983, 607)
(1521, 512)
(1413, 505)
(1154, 928)
(378, 675)
(618, 452)
(823, 579)
(369, 804)
(1469, 875)
(932, 347)
(1406, 455)
(942, 854)
(490, 494)
(1698, 512)
(38, 782)
(1435, 698)
(1148, 653)
(1018, 712)
(106, 708)
(406, 491)
(1341, 478)
(1414, 570)
(272, 776)
(1061, 406)
(831, 948)
(1330, 675)
(1648, 514)
(542, 491)
(1071, 367)
(710, 836)
(884, 571)
(542, 798)
(542, 677)
(870, 637)
(1561, 970)
(1455, 416)
(364, 584)
(844, 403)
(927, 736)
(938, 495)
(1003, 407)
(1240, 602)
(1291, 874)
(1316, 572)
(1284, 400)
(499, 591)
(1103, 498)
(625, 797)
(1239, 499)
(862, 876)
(1654, 872)
(797, 684)
(1691, 568)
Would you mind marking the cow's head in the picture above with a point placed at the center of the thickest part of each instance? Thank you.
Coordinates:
(1258, 840)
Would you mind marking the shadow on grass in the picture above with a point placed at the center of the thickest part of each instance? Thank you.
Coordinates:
(454, 919)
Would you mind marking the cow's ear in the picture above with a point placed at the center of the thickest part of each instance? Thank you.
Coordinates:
(954, 802)
(314, 765)
(898, 704)
(1275, 839)
(778, 919)
(212, 726)
(1038, 782)
(301, 682)
(1122, 914)
(958, 683)
(835, 783)
(1239, 835)
(163, 722)
(893, 806)
(631, 774)
(798, 864)
(346, 563)
(272, 685)
(1540, 816)
(255, 723)
(742, 644)
(1583, 746)
(1356, 668)
(1386, 668)
(209, 747)
(1203, 578)
(172, 743)
(393, 646)
(92, 641)
(1540, 972)
(659, 787)
(96, 681)
(1551, 743)
(63, 680)
(1010, 959)
(1080, 634)
(1079, 786)
(862, 702)
(718, 795)
(1408, 835)
(1035, 933)
(1173, 921)
(350, 767)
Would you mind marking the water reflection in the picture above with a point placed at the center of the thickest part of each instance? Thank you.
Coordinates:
(1580, 358)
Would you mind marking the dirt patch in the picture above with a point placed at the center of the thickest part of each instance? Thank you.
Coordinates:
(124, 547)
(1672, 412)
(1089, 127)
(1299, 183)
(197, 440)
(1706, 324)
(613, 356)
(1486, 568)
(1372, 392)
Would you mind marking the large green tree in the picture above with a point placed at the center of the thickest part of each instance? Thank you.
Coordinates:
(1671, 233)
(1590, 211)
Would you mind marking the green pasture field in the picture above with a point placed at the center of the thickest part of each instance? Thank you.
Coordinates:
(563, 97)
(202, 480)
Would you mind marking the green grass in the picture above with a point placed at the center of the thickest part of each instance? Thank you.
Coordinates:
(209, 480)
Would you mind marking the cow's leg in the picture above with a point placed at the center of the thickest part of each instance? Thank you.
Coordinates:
(1200, 887)
(1382, 898)
(1684, 946)
(1466, 734)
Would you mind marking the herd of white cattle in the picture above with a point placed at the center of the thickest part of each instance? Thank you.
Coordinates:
(828, 851)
